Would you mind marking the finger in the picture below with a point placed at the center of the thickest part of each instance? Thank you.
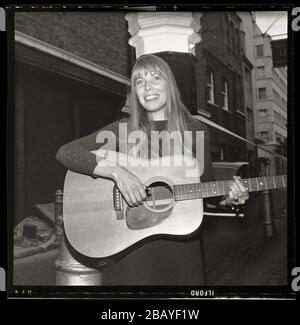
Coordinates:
(138, 195)
(242, 201)
(142, 190)
(128, 200)
(238, 182)
(235, 190)
(230, 194)
(132, 197)
(239, 189)
(236, 201)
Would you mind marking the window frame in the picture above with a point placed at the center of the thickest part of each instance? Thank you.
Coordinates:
(210, 85)
(259, 98)
(256, 50)
(225, 95)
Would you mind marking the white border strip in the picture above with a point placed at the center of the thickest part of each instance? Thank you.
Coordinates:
(69, 57)
(216, 214)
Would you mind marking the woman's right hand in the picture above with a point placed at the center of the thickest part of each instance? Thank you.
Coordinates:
(129, 185)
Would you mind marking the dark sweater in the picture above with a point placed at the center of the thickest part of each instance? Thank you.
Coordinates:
(76, 155)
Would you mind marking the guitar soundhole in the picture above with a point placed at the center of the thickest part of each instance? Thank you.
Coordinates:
(159, 196)
(156, 208)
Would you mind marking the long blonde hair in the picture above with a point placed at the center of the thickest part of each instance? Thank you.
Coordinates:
(177, 113)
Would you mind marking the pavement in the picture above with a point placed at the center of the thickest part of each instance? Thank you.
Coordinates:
(239, 254)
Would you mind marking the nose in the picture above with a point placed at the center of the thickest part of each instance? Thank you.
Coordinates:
(148, 84)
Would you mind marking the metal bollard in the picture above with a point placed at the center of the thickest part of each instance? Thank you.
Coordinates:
(58, 213)
(268, 224)
(71, 268)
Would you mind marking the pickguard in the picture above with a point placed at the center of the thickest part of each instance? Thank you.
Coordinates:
(140, 217)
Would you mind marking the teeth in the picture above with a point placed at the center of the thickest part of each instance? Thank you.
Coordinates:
(150, 97)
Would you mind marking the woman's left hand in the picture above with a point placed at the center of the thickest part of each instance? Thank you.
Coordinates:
(237, 194)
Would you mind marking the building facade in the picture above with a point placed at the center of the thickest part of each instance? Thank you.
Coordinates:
(270, 102)
(220, 85)
(248, 30)
(271, 93)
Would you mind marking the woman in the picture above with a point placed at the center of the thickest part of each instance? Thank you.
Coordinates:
(156, 106)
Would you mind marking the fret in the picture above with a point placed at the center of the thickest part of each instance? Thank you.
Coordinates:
(283, 180)
(208, 189)
(214, 189)
(257, 182)
(219, 188)
(266, 182)
(274, 181)
(199, 193)
(249, 181)
(225, 185)
(262, 185)
(228, 186)
(190, 191)
(246, 185)
(193, 189)
(205, 191)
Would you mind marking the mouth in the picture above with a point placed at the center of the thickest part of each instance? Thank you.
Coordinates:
(150, 98)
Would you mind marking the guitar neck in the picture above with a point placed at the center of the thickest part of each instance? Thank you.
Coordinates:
(211, 189)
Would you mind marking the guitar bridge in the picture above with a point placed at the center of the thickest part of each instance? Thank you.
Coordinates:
(118, 203)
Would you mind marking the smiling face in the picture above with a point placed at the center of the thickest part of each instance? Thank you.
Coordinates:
(151, 90)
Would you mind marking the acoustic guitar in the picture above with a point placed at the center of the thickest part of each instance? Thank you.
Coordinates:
(98, 222)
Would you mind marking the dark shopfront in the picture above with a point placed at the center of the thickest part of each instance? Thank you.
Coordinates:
(55, 102)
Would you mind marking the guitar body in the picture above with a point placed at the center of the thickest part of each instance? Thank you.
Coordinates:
(98, 222)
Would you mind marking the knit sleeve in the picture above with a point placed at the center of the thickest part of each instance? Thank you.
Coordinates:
(76, 155)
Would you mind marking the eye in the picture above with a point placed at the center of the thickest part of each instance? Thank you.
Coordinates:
(157, 77)
(139, 82)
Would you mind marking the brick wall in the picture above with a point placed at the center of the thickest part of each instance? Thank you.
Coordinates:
(208, 61)
(100, 37)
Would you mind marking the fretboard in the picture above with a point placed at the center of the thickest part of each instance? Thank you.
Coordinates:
(210, 189)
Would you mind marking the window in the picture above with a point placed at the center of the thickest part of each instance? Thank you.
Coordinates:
(248, 85)
(264, 135)
(232, 36)
(260, 71)
(277, 117)
(210, 87)
(261, 93)
(227, 37)
(278, 137)
(249, 114)
(284, 121)
(240, 90)
(283, 102)
(259, 50)
(237, 41)
(263, 113)
(225, 95)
